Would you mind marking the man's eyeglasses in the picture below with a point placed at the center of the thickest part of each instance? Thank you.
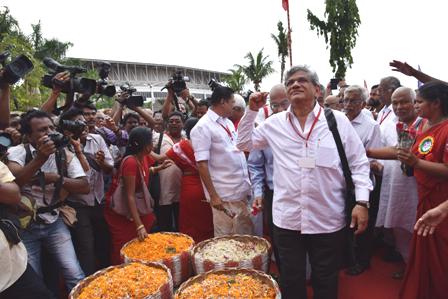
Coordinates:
(352, 102)
(284, 104)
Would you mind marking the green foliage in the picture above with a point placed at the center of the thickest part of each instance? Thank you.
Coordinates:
(29, 92)
(340, 31)
(281, 40)
(236, 80)
(257, 68)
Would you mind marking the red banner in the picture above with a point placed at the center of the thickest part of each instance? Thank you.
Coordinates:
(285, 4)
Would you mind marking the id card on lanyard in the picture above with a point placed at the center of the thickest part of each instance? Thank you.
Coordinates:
(308, 161)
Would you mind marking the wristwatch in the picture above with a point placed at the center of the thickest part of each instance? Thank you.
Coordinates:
(364, 204)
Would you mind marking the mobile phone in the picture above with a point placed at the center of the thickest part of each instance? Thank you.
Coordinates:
(334, 83)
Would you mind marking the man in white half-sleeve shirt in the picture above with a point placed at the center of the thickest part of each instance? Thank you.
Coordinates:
(309, 198)
(368, 130)
(222, 166)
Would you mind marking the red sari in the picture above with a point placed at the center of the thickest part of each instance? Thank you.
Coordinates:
(123, 230)
(427, 272)
(195, 214)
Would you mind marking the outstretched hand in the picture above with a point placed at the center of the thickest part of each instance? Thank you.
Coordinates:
(402, 67)
(427, 224)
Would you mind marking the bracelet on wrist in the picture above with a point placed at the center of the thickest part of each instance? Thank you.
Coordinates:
(140, 227)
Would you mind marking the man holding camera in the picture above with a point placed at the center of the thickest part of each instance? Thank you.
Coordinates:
(46, 173)
(90, 233)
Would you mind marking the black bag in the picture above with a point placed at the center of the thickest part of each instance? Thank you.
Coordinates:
(154, 179)
(350, 199)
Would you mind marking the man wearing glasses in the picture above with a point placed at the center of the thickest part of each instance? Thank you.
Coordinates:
(368, 130)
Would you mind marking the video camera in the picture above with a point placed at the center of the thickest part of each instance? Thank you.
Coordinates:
(103, 88)
(80, 85)
(136, 101)
(76, 127)
(213, 84)
(177, 82)
(17, 69)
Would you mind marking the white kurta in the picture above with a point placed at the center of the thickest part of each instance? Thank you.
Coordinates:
(398, 197)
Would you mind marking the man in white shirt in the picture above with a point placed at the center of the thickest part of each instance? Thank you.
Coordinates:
(368, 130)
(222, 166)
(385, 89)
(309, 198)
(48, 228)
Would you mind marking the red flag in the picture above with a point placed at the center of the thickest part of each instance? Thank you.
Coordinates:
(285, 4)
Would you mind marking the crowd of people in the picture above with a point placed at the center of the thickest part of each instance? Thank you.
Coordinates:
(330, 173)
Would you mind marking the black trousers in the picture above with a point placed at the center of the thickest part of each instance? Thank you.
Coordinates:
(28, 286)
(91, 238)
(364, 241)
(268, 198)
(324, 250)
(167, 217)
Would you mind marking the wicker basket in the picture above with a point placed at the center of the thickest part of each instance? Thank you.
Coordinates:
(260, 262)
(258, 274)
(164, 292)
(179, 264)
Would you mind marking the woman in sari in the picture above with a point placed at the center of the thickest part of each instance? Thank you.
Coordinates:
(427, 272)
(195, 215)
(122, 228)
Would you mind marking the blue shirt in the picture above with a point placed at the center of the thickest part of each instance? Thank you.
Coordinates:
(261, 169)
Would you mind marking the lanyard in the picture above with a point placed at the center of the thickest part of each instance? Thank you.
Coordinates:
(226, 128)
(384, 116)
(311, 129)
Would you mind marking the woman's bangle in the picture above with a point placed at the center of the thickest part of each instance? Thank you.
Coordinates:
(140, 227)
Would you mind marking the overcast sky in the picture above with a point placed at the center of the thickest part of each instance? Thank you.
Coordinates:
(216, 34)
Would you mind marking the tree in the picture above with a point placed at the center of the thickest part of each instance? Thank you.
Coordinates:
(281, 39)
(236, 80)
(257, 68)
(8, 25)
(340, 31)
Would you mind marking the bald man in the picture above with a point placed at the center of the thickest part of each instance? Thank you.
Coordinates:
(277, 96)
(333, 102)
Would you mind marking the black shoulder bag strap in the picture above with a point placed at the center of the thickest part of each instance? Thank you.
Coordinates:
(350, 187)
(350, 199)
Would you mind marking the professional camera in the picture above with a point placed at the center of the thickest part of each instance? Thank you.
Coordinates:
(59, 140)
(103, 88)
(177, 82)
(17, 69)
(76, 127)
(136, 101)
(213, 84)
(80, 85)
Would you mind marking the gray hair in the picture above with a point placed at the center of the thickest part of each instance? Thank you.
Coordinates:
(302, 68)
(405, 90)
(357, 89)
(391, 82)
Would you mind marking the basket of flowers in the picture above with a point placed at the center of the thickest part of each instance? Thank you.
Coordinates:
(225, 252)
(171, 249)
(230, 283)
(133, 280)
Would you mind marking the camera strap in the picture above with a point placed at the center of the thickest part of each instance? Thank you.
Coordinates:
(61, 164)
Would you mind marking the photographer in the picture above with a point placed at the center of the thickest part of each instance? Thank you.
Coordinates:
(90, 233)
(46, 172)
(122, 100)
(17, 278)
(50, 104)
(182, 98)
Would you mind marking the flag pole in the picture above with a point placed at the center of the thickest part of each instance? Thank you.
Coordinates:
(289, 38)
(289, 34)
